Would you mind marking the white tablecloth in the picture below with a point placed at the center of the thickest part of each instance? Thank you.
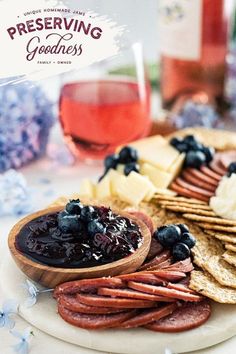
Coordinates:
(62, 181)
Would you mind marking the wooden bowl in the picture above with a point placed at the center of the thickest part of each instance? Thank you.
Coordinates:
(51, 276)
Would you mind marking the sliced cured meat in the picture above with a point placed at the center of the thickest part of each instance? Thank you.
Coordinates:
(181, 287)
(157, 260)
(94, 321)
(148, 316)
(208, 172)
(159, 290)
(103, 301)
(71, 303)
(132, 294)
(226, 158)
(143, 217)
(181, 266)
(189, 316)
(217, 167)
(187, 193)
(162, 265)
(192, 188)
(155, 249)
(87, 285)
(143, 277)
(169, 275)
(197, 182)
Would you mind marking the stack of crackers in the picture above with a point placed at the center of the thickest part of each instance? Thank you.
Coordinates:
(215, 250)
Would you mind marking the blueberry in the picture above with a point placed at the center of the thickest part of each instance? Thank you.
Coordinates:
(209, 153)
(128, 154)
(183, 227)
(189, 139)
(168, 235)
(74, 207)
(69, 223)
(88, 213)
(231, 169)
(176, 141)
(111, 161)
(182, 147)
(180, 251)
(95, 227)
(188, 239)
(132, 166)
(195, 159)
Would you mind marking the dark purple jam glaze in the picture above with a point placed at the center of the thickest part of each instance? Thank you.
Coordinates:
(42, 241)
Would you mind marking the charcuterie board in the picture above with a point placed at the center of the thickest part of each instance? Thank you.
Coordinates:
(43, 315)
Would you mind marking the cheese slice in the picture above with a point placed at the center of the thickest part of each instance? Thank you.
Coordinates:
(134, 188)
(176, 168)
(120, 168)
(114, 178)
(87, 189)
(159, 178)
(156, 151)
(103, 188)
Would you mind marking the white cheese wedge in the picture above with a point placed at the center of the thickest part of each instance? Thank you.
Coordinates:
(166, 192)
(159, 178)
(156, 151)
(103, 188)
(87, 189)
(175, 169)
(134, 188)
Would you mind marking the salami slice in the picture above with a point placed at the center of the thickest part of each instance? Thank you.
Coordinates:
(181, 266)
(94, 321)
(169, 275)
(103, 301)
(71, 303)
(148, 316)
(187, 193)
(159, 290)
(161, 265)
(189, 316)
(217, 167)
(157, 260)
(192, 188)
(87, 285)
(143, 217)
(209, 173)
(127, 293)
(147, 278)
(181, 287)
(155, 249)
(198, 182)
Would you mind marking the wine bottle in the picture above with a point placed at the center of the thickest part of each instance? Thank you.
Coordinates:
(193, 44)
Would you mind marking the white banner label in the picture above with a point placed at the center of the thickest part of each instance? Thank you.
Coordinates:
(180, 28)
(42, 38)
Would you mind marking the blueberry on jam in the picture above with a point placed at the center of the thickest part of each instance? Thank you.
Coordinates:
(94, 237)
(128, 154)
(88, 213)
(74, 207)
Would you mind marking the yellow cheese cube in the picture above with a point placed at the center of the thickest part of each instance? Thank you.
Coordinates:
(103, 188)
(156, 151)
(175, 169)
(134, 188)
(113, 176)
(160, 179)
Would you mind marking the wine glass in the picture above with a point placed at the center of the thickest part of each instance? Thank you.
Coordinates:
(106, 105)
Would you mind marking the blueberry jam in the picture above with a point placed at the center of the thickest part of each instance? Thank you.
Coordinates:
(78, 237)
